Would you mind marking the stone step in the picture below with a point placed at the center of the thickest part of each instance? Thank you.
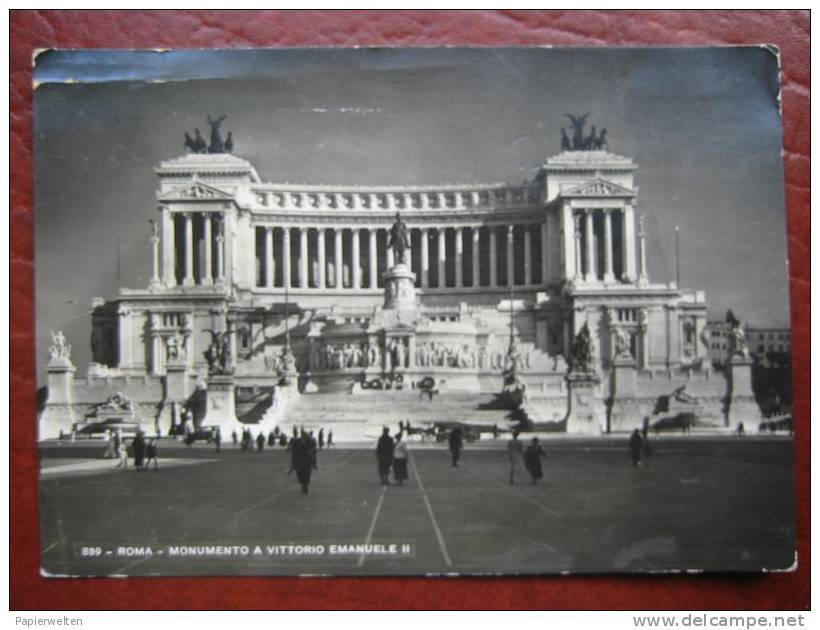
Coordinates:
(362, 416)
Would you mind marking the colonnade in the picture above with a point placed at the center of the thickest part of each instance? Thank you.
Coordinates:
(442, 257)
(598, 255)
(184, 262)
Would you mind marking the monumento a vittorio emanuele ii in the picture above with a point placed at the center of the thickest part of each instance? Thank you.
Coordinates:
(350, 307)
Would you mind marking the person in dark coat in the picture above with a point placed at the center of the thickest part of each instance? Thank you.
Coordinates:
(635, 447)
(455, 442)
(260, 442)
(271, 438)
(139, 450)
(532, 460)
(384, 455)
(330, 439)
(234, 437)
(218, 439)
(303, 458)
(151, 454)
(321, 439)
(312, 447)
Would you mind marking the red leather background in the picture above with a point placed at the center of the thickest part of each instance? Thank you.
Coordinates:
(789, 30)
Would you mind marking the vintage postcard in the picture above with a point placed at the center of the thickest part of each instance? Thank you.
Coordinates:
(412, 312)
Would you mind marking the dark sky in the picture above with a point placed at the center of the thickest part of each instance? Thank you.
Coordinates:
(702, 125)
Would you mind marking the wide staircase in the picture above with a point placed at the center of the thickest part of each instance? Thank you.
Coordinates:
(361, 416)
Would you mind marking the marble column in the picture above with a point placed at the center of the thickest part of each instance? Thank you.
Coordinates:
(527, 256)
(124, 329)
(569, 242)
(189, 250)
(338, 259)
(459, 245)
(425, 258)
(628, 243)
(608, 275)
(442, 258)
(388, 250)
(286, 257)
(169, 277)
(408, 253)
(321, 259)
(493, 234)
(578, 266)
(220, 253)
(269, 267)
(641, 250)
(303, 258)
(545, 269)
(590, 238)
(372, 265)
(355, 271)
(208, 276)
(155, 281)
(475, 276)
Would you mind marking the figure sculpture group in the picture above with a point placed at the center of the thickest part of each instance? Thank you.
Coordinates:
(580, 141)
(218, 354)
(737, 338)
(60, 349)
(176, 347)
(197, 144)
(396, 354)
(580, 353)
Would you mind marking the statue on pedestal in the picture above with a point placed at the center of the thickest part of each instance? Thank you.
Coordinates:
(737, 339)
(581, 142)
(580, 354)
(287, 365)
(399, 240)
(578, 122)
(218, 354)
(216, 146)
(60, 349)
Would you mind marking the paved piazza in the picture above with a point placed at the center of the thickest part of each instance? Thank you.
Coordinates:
(697, 505)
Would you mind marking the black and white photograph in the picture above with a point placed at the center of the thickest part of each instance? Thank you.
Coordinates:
(433, 311)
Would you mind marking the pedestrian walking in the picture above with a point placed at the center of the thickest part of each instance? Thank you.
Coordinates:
(121, 450)
(532, 459)
(330, 439)
(515, 452)
(312, 447)
(302, 460)
(321, 439)
(260, 442)
(151, 454)
(218, 440)
(635, 447)
(139, 450)
(384, 455)
(271, 439)
(455, 443)
(400, 460)
(110, 450)
(234, 437)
